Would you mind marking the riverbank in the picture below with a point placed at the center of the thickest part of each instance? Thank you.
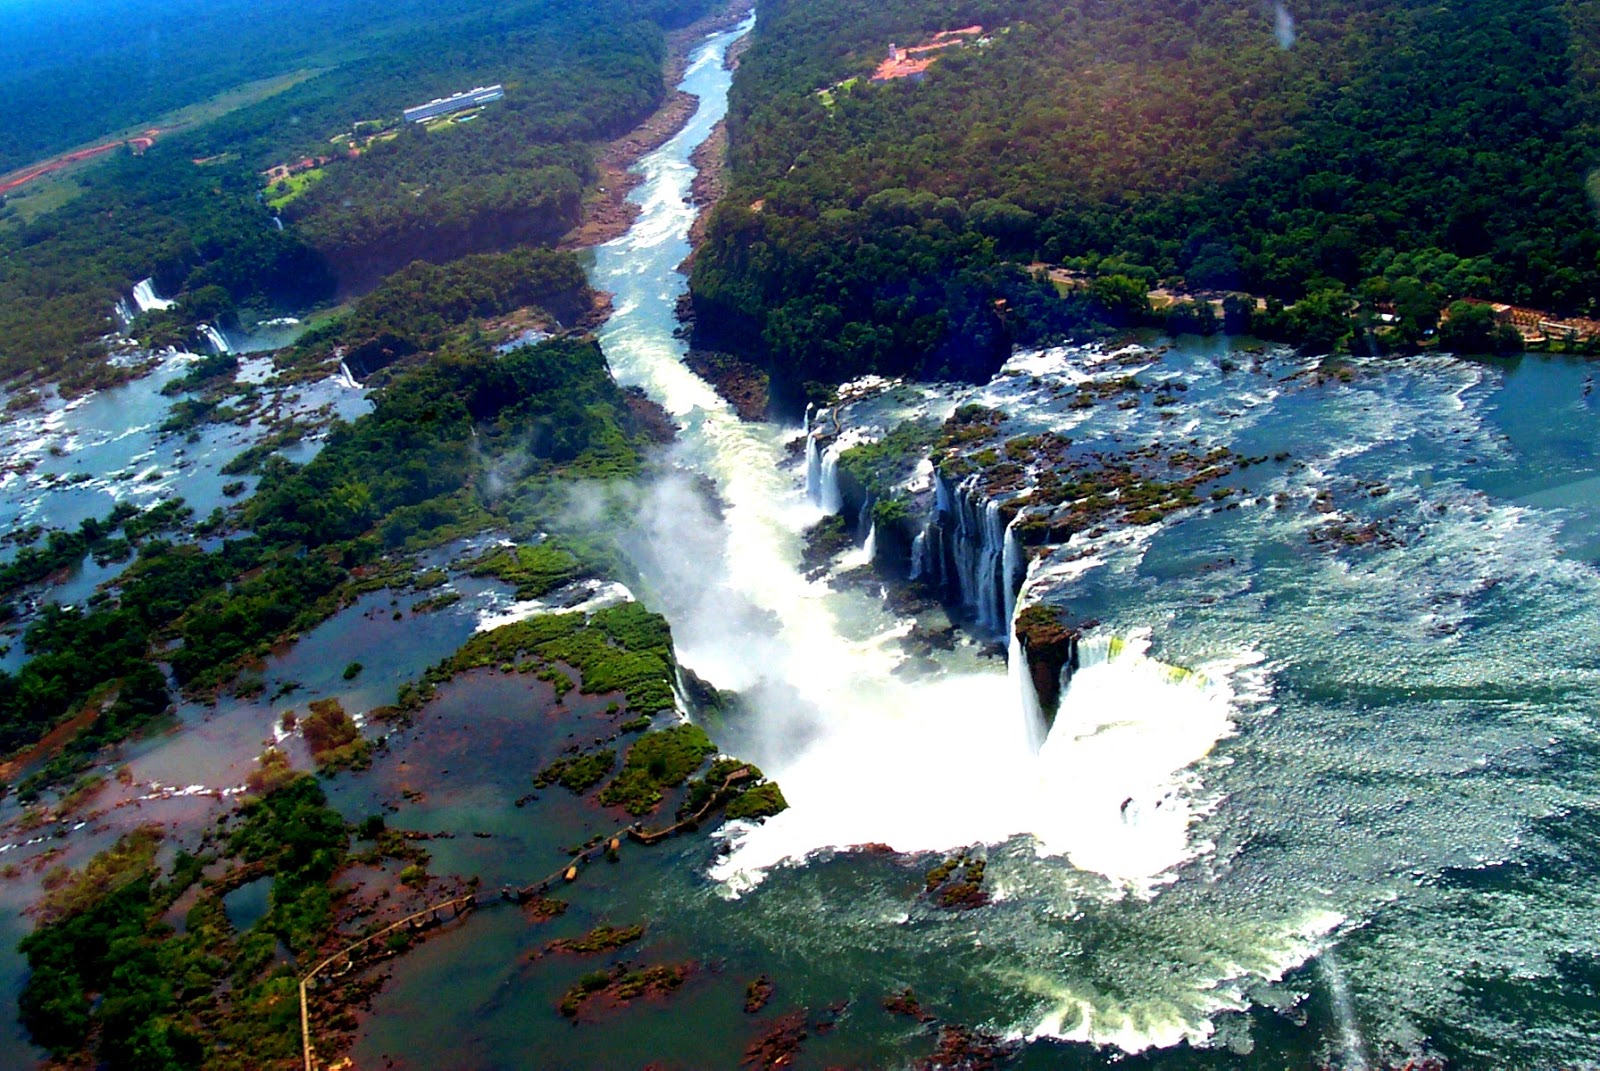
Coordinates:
(607, 212)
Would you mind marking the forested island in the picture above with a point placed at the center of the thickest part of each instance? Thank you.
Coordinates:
(1346, 172)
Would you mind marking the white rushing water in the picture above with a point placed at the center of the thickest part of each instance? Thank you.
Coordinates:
(218, 341)
(865, 755)
(146, 298)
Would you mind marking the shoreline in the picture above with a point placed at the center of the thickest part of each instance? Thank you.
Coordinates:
(607, 212)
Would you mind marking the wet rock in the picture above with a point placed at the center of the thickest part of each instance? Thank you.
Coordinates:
(744, 386)
(779, 1045)
(1049, 645)
(756, 995)
(905, 1003)
(964, 1049)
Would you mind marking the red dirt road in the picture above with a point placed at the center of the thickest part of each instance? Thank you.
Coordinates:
(138, 144)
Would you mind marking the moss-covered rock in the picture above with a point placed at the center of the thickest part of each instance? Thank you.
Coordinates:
(762, 801)
(578, 773)
(657, 761)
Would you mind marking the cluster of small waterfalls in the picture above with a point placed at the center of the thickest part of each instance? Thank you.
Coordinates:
(144, 298)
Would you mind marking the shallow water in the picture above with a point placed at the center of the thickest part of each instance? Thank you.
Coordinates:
(68, 461)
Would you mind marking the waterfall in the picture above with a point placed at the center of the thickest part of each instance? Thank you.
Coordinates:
(828, 494)
(978, 550)
(218, 342)
(145, 296)
(125, 315)
(1012, 559)
(278, 221)
(347, 377)
(966, 536)
(1034, 725)
(851, 739)
(813, 466)
(872, 543)
(864, 518)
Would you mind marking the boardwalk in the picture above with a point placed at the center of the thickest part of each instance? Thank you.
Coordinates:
(460, 905)
(456, 905)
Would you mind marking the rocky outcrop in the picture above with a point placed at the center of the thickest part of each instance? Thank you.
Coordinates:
(1049, 647)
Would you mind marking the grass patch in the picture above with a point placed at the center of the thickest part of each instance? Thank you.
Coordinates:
(287, 191)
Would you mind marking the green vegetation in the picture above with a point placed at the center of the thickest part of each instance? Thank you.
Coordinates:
(1401, 153)
(411, 473)
(285, 192)
(424, 306)
(622, 648)
(762, 801)
(578, 774)
(957, 883)
(111, 978)
(877, 467)
(656, 761)
(533, 569)
(333, 738)
(622, 985)
(577, 75)
(603, 938)
(206, 372)
(66, 550)
(1473, 329)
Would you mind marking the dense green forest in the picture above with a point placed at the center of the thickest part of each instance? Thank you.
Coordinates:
(1393, 150)
(453, 443)
(421, 306)
(574, 74)
(112, 64)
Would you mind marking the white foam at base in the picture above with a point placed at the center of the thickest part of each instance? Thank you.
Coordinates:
(928, 765)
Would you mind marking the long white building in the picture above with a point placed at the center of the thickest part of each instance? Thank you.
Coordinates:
(445, 105)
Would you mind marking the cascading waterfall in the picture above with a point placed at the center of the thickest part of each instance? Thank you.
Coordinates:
(348, 377)
(872, 543)
(866, 754)
(1034, 724)
(1012, 566)
(985, 581)
(829, 497)
(219, 343)
(145, 296)
(813, 466)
